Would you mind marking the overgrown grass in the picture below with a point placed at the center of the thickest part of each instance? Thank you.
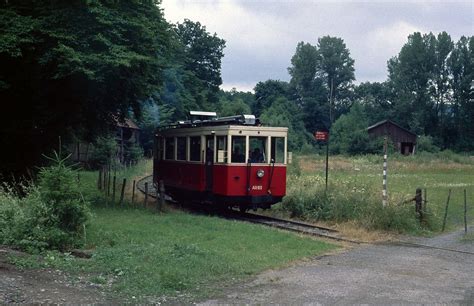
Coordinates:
(469, 237)
(144, 254)
(356, 188)
(88, 182)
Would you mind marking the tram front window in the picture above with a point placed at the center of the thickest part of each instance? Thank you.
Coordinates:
(257, 153)
(278, 149)
(221, 149)
(238, 149)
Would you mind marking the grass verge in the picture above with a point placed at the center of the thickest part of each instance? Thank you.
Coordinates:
(142, 254)
(355, 190)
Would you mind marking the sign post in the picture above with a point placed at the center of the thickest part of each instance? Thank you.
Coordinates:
(324, 136)
(384, 182)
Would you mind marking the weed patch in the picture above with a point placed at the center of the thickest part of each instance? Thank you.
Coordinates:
(355, 184)
(176, 253)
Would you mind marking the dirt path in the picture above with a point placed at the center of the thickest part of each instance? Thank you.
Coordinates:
(44, 286)
(374, 274)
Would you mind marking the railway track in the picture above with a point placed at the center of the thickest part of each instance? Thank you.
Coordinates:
(293, 226)
(284, 224)
(151, 188)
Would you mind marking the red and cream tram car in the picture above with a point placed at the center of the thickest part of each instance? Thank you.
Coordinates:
(228, 162)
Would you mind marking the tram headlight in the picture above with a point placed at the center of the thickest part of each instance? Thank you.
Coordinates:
(260, 173)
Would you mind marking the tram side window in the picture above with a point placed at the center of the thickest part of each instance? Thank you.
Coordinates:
(181, 148)
(158, 154)
(257, 150)
(238, 149)
(221, 149)
(195, 149)
(278, 149)
(169, 148)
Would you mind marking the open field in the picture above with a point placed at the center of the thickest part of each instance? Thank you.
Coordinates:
(435, 173)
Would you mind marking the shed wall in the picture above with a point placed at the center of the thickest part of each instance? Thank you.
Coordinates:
(396, 134)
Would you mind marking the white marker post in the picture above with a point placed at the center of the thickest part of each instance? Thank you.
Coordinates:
(384, 190)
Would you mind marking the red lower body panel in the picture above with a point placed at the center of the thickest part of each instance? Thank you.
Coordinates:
(227, 183)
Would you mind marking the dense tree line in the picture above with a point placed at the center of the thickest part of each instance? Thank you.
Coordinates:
(429, 90)
(69, 68)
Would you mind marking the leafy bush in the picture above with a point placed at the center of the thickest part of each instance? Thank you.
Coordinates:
(105, 149)
(11, 216)
(344, 201)
(426, 144)
(133, 153)
(50, 216)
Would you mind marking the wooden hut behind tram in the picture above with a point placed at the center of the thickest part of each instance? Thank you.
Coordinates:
(403, 139)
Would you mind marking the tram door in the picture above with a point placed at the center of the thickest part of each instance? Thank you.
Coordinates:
(209, 161)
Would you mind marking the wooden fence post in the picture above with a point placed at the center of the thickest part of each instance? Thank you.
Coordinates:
(465, 212)
(133, 192)
(104, 178)
(446, 211)
(161, 200)
(122, 192)
(113, 190)
(108, 181)
(146, 193)
(425, 200)
(99, 180)
(419, 204)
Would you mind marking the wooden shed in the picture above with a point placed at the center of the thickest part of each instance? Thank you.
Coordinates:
(403, 139)
(126, 133)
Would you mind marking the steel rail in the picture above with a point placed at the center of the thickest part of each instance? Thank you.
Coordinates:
(293, 226)
(297, 226)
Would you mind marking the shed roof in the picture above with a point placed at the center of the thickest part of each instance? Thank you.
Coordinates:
(391, 122)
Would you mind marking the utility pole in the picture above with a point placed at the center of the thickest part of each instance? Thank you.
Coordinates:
(384, 190)
(331, 91)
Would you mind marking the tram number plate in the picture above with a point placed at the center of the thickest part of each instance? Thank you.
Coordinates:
(255, 187)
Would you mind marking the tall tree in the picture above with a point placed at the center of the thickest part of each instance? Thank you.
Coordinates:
(304, 68)
(461, 66)
(440, 89)
(336, 68)
(203, 54)
(322, 76)
(70, 67)
(267, 92)
(410, 74)
(376, 100)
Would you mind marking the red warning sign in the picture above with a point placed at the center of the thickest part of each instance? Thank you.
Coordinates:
(321, 135)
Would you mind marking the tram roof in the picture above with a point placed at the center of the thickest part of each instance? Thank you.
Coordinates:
(223, 129)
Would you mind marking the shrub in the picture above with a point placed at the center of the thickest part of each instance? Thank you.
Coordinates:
(105, 149)
(11, 215)
(343, 201)
(426, 144)
(133, 153)
(50, 216)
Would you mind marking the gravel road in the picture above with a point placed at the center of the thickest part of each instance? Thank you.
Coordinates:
(370, 274)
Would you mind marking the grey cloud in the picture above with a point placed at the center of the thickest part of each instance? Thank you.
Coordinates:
(374, 31)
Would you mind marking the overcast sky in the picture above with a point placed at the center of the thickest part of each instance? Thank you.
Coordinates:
(261, 35)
